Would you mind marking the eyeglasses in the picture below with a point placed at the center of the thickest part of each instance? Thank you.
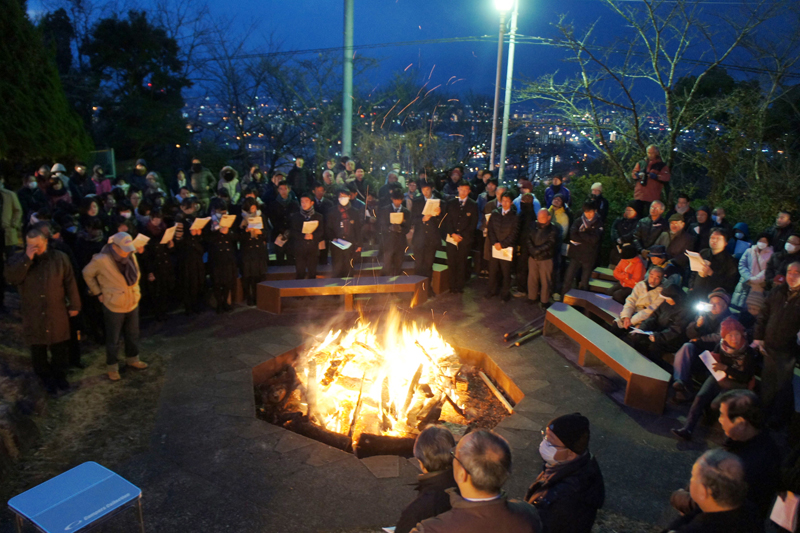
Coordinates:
(453, 453)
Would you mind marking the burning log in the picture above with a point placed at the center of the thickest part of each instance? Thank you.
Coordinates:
(385, 399)
(412, 389)
(530, 335)
(368, 445)
(496, 392)
(533, 324)
(308, 429)
(311, 389)
(357, 410)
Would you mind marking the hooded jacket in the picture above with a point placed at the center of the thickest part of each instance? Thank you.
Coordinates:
(629, 272)
(737, 247)
(232, 186)
(641, 302)
(568, 495)
(752, 273)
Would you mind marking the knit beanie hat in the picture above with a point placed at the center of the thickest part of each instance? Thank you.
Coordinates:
(722, 294)
(729, 325)
(755, 299)
(633, 205)
(572, 430)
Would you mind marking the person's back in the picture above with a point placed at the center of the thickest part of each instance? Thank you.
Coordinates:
(431, 501)
(500, 514)
(761, 458)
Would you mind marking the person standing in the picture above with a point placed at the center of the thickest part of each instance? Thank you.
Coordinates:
(782, 230)
(299, 178)
(600, 200)
(503, 229)
(622, 232)
(461, 221)
(10, 229)
(113, 277)
(649, 177)
(305, 245)
(280, 211)
(202, 182)
(394, 233)
(48, 298)
(752, 271)
(543, 245)
(343, 224)
(584, 244)
(253, 242)
(157, 265)
(556, 187)
(221, 257)
(191, 248)
(426, 233)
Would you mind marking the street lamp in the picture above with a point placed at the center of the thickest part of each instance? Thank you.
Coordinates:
(503, 6)
(509, 81)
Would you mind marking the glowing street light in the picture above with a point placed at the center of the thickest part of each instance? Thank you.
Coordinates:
(503, 6)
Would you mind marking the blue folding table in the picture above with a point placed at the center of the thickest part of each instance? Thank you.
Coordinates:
(79, 498)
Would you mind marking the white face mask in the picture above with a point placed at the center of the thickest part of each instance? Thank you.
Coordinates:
(791, 248)
(548, 452)
(761, 245)
(344, 200)
(32, 185)
(739, 235)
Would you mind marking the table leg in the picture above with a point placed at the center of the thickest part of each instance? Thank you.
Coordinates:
(141, 517)
(18, 522)
(348, 302)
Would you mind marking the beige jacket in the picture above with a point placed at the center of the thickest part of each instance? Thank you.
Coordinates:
(103, 277)
(11, 218)
(641, 303)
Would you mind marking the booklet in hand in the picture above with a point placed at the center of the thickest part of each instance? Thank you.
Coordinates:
(141, 240)
(200, 223)
(227, 221)
(431, 205)
(280, 241)
(696, 262)
(255, 223)
(310, 226)
(709, 360)
(341, 244)
(169, 234)
(503, 254)
(395, 218)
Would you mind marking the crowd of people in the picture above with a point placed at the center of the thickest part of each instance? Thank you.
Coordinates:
(84, 251)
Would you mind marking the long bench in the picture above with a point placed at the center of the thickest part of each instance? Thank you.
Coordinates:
(647, 382)
(270, 293)
(603, 307)
(601, 286)
(606, 274)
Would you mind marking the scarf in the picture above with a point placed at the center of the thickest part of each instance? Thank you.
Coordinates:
(126, 265)
(344, 223)
(308, 213)
(586, 223)
(682, 210)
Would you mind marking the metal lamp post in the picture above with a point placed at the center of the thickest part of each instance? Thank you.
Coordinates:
(503, 6)
(507, 100)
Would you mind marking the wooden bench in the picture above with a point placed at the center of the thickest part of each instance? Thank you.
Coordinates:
(603, 307)
(606, 274)
(647, 382)
(270, 293)
(601, 286)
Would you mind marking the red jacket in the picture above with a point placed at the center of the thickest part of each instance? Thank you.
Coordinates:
(629, 272)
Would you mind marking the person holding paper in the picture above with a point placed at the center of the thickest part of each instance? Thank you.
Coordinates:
(280, 212)
(157, 266)
(666, 326)
(703, 334)
(722, 270)
(680, 241)
(253, 243)
(344, 224)
(221, 257)
(732, 357)
(191, 248)
(427, 235)
(460, 222)
(640, 303)
(503, 229)
(395, 222)
(305, 233)
(584, 244)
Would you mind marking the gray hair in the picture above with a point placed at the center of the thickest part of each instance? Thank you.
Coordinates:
(35, 233)
(722, 473)
(654, 147)
(487, 458)
(328, 172)
(432, 448)
(659, 202)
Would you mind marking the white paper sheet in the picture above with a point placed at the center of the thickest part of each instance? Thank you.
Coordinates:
(227, 221)
(341, 244)
(709, 361)
(431, 205)
(169, 234)
(504, 254)
(200, 223)
(640, 332)
(141, 240)
(395, 218)
(784, 512)
(696, 262)
(452, 241)
(310, 226)
(255, 223)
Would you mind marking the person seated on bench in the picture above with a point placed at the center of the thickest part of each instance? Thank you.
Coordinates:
(673, 272)
(721, 270)
(667, 324)
(703, 334)
(643, 300)
(736, 359)
(628, 272)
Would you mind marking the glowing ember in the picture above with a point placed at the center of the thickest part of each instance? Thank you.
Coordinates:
(381, 381)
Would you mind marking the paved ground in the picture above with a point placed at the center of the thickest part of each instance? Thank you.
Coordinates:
(213, 467)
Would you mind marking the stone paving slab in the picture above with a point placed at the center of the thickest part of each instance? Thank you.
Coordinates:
(322, 455)
(275, 349)
(292, 441)
(252, 359)
(529, 386)
(243, 408)
(383, 466)
(238, 376)
(531, 405)
(516, 440)
(517, 421)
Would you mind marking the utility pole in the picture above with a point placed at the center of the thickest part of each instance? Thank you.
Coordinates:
(347, 92)
(507, 99)
(497, 86)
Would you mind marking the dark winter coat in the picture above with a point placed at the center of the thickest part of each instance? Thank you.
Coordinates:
(585, 241)
(648, 231)
(394, 235)
(431, 501)
(725, 274)
(48, 290)
(668, 323)
(622, 229)
(280, 213)
(253, 252)
(709, 332)
(501, 514)
(157, 258)
(741, 520)
(543, 241)
(701, 234)
(335, 227)
(761, 457)
(777, 236)
(680, 243)
(503, 229)
(301, 245)
(299, 179)
(779, 321)
(777, 265)
(602, 206)
(221, 253)
(202, 183)
(426, 232)
(568, 495)
(461, 220)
